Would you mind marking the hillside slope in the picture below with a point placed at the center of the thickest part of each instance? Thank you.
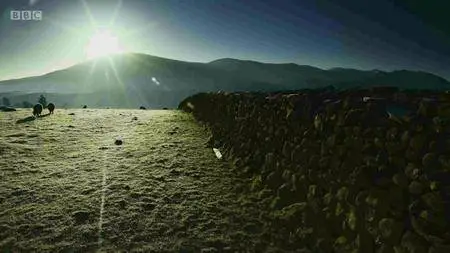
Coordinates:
(131, 80)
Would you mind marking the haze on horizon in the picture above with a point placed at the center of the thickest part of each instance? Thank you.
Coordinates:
(385, 35)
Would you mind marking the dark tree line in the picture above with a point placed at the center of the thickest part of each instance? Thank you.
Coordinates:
(25, 104)
(6, 101)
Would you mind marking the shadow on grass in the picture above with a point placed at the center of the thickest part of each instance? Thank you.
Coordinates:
(24, 120)
(31, 118)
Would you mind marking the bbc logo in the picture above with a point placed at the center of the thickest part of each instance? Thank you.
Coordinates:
(26, 15)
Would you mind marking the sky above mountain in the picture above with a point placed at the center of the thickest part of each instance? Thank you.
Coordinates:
(382, 34)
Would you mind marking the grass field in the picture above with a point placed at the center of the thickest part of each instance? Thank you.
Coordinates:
(66, 186)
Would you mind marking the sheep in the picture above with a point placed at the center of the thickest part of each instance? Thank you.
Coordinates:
(51, 108)
(37, 110)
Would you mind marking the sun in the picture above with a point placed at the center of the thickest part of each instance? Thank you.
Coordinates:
(101, 44)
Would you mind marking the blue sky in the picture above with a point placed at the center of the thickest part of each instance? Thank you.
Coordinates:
(378, 34)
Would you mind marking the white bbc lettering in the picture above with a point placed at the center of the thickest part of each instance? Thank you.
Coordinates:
(15, 15)
(37, 15)
(26, 15)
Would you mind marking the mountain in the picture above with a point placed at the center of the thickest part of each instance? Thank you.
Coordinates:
(130, 80)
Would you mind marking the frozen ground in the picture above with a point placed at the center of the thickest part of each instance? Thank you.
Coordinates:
(66, 186)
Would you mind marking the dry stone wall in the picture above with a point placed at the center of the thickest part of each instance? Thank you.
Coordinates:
(349, 171)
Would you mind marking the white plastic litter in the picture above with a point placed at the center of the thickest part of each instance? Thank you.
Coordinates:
(218, 154)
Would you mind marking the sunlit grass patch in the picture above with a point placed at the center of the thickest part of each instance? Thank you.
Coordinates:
(66, 186)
